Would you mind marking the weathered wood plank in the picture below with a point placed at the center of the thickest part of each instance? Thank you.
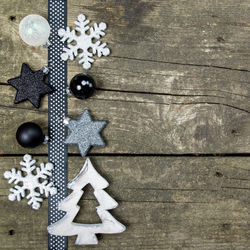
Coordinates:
(188, 32)
(212, 33)
(166, 203)
(13, 51)
(204, 100)
(207, 92)
(193, 56)
(121, 74)
(150, 124)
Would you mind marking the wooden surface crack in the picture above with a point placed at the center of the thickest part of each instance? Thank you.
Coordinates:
(182, 64)
(213, 103)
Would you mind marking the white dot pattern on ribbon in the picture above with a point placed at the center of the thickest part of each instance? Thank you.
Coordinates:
(57, 112)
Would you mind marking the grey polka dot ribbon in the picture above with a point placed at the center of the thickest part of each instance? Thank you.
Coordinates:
(57, 111)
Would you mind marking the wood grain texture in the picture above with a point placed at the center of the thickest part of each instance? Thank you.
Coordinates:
(166, 203)
(13, 51)
(208, 33)
(140, 124)
(200, 107)
(186, 32)
(209, 57)
(176, 82)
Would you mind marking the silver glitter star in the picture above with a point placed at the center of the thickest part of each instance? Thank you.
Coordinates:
(85, 132)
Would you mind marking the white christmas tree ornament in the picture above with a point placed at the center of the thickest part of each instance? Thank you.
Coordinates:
(86, 233)
(30, 182)
(84, 42)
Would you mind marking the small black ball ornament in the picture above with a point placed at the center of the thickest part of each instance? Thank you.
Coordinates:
(30, 135)
(82, 86)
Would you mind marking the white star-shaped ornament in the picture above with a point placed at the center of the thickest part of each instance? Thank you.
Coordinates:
(85, 132)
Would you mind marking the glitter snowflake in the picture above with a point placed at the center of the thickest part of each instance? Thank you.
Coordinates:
(84, 42)
(30, 182)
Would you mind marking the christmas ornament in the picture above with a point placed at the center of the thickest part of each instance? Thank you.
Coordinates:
(30, 181)
(30, 85)
(30, 135)
(82, 86)
(34, 30)
(84, 42)
(85, 132)
(86, 233)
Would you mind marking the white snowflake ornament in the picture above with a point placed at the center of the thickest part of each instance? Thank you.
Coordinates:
(30, 182)
(84, 42)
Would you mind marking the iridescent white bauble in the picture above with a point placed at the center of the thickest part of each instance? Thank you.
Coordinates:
(34, 30)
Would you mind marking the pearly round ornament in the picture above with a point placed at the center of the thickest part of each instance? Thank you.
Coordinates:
(34, 30)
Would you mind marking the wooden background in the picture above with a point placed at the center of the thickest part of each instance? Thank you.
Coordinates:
(176, 94)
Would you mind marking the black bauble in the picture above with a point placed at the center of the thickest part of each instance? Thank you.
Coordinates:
(29, 135)
(82, 86)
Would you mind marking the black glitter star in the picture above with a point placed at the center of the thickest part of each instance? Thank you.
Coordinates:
(30, 85)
